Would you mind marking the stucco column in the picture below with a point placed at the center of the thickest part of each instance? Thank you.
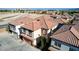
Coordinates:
(34, 42)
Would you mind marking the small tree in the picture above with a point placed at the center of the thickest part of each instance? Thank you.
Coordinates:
(41, 42)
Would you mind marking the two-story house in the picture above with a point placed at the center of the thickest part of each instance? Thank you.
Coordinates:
(31, 28)
(40, 26)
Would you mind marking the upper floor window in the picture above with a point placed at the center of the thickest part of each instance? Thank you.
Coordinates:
(27, 32)
(22, 30)
(12, 27)
(30, 33)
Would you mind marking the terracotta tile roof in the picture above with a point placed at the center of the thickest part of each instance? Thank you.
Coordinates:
(67, 37)
(28, 26)
(76, 27)
(66, 16)
(34, 25)
(50, 22)
(75, 30)
(58, 20)
(75, 22)
(62, 28)
(21, 20)
(41, 22)
(44, 21)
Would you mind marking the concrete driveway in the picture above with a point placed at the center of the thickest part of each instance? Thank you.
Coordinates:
(9, 42)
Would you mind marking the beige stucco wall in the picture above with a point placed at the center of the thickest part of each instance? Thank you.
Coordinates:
(17, 29)
(37, 33)
(52, 28)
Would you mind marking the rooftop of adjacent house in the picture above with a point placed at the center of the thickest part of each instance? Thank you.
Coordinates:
(57, 18)
(75, 30)
(26, 18)
(76, 14)
(76, 22)
(66, 16)
(62, 28)
(76, 27)
(67, 37)
(41, 22)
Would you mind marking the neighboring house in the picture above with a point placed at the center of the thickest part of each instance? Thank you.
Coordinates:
(75, 22)
(17, 23)
(66, 18)
(66, 38)
(57, 18)
(40, 26)
(65, 41)
(76, 16)
(62, 28)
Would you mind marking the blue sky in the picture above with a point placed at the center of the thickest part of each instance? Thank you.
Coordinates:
(42, 8)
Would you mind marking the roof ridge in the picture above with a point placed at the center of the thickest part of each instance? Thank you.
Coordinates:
(73, 34)
(32, 26)
(61, 20)
(45, 22)
(61, 32)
